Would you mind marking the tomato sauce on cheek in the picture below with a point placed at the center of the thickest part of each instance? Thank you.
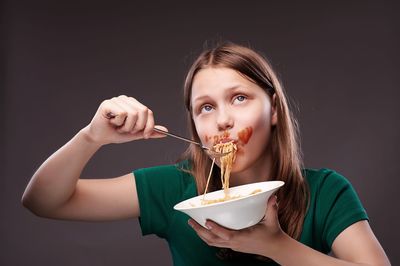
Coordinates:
(244, 135)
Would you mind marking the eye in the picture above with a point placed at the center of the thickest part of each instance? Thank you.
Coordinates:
(206, 108)
(239, 99)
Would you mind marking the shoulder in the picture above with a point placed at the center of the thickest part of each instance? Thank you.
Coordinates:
(159, 188)
(180, 169)
(165, 177)
(324, 178)
(182, 165)
(331, 191)
(333, 206)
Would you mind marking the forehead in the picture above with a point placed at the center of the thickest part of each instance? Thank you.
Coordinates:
(210, 79)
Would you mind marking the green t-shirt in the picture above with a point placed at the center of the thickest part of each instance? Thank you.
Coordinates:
(334, 205)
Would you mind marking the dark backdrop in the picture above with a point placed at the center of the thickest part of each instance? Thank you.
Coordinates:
(338, 62)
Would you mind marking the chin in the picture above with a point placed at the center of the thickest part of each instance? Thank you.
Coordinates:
(240, 165)
(244, 162)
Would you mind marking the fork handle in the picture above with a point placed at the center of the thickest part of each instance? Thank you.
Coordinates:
(111, 115)
(179, 137)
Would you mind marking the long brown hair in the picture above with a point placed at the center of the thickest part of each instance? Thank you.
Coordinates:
(286, 156)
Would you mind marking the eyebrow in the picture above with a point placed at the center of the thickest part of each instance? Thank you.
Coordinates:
(206, 96)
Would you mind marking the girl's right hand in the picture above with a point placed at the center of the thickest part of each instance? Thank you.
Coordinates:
(122, 119)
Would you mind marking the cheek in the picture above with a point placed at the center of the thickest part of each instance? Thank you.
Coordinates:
(259, 123)
(262, 130)
(202, 129)
(263, 124)
(260, 133)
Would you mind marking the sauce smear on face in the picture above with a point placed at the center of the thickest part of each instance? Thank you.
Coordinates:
(224, 137)
(245, 134)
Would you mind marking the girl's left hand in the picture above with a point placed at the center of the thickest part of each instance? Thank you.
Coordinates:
(257, 239)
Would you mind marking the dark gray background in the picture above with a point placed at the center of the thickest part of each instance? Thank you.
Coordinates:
(339, 62)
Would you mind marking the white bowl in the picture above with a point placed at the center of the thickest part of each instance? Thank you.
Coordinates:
(237, 213)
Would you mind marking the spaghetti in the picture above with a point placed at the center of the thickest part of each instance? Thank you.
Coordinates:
(226, 168)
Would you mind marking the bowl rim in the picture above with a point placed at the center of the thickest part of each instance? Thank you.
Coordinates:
(278, 182)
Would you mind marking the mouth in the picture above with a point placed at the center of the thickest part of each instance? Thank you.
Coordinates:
(226, 140)
(243, 137)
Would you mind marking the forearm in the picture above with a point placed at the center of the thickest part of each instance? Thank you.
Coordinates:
(291, 252)
(55, 180)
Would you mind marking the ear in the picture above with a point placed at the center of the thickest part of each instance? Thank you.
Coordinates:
(274, 113)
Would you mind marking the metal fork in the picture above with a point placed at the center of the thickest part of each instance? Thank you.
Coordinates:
(209, 151)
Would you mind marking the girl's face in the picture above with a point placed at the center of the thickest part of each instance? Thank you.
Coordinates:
(227, 106)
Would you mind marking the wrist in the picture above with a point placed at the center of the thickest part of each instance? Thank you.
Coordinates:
(276, 247)
(85, 135)
(282, 247)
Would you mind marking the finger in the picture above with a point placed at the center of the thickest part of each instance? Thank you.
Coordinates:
(148, 129)
(219, 231)
(119, 116)
(129, 116)
(142, 112)
(155, 134)
(132, 114)
(119, 119)
(142, 118)
(205, 234)
(132, 117)
(215, 244)
(130, 122)
(112, 112)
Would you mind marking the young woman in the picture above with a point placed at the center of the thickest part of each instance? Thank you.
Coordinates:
(230, 92)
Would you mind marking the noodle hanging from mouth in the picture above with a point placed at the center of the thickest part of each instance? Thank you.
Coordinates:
(226, 168)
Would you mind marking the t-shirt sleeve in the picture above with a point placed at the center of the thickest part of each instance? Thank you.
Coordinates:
(158, 189)
(339, 206)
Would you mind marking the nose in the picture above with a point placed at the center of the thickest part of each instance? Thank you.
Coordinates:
(224, 120)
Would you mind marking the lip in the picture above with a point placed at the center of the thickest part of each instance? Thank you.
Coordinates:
(225, 140)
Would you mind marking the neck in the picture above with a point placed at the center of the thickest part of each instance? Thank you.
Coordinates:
(259, 171)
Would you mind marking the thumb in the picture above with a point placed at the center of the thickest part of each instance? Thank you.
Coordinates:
(271, 214)
(156, 134)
